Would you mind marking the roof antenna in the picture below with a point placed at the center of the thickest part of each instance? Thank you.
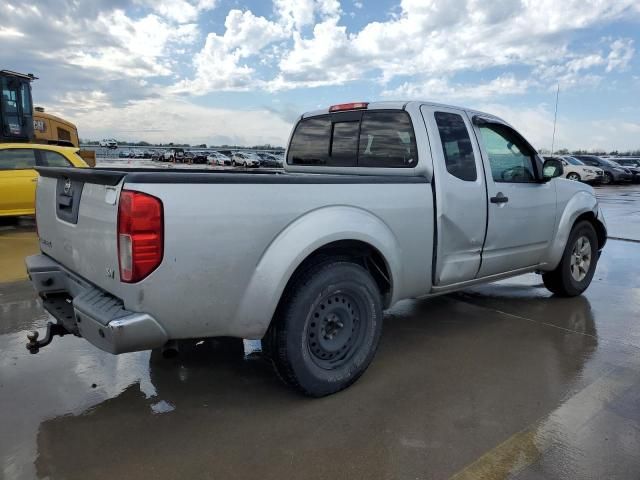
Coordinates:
(555, 116)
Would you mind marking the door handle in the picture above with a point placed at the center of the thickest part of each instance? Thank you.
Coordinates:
(34, 180)
(499, 198)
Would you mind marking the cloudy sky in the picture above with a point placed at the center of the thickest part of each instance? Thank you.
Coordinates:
(239, 71)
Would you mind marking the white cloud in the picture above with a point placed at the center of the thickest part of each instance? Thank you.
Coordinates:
(219, 64)
(181, 11)
(295, 14)
(10, 32)
(173, 119)
(441, 89)
(139, 47)
(621, 54)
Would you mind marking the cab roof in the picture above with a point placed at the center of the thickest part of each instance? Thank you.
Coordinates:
(39, 146)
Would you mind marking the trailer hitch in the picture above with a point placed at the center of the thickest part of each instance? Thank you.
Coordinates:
(35, 345)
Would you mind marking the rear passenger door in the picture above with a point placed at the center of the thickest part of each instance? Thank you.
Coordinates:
(17, 181)
(461, 199)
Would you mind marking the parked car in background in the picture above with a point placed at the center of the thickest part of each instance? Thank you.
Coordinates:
(269, 160)
(18, 177)
(574, 169)
(138, 153)
(632, 164)
(199, 157)
(108, 143)
(123, 154)
(174, 155)
(613, 173)
(379, 202)
(217, 158)
(245, 159)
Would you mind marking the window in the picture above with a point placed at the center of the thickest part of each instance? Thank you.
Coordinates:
(17, 159)
(64, 134)
(344, 143)
(387, 140)
(510, 158)
(53, 159)
(310, 142)
(456, 146)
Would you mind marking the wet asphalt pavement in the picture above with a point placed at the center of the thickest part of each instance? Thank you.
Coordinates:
(499, 381)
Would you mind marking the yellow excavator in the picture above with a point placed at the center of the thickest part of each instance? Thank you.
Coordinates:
(23, 123)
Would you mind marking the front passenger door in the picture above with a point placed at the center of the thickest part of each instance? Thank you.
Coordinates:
(17, 181)
(522, 209)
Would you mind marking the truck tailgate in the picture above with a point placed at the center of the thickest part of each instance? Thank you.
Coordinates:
(77, 214)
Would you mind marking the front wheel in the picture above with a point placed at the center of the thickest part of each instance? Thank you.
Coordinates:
(573, 176)
(607, 179)
(575, 271)
(327, 328)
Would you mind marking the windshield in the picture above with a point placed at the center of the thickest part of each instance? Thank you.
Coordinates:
(612, 163)
(573, 161)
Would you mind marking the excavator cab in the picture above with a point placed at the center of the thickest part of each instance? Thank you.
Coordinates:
(16, 110)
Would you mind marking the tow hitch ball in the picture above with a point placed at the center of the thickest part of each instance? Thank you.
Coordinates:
(35, 345)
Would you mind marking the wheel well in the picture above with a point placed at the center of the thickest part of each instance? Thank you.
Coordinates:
(599, 228)
(354, 251)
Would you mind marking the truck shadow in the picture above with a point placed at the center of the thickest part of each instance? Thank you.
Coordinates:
(447, 370)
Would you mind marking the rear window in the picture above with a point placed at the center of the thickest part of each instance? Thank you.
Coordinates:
(310, 142)
(387, 140)
(373, 139)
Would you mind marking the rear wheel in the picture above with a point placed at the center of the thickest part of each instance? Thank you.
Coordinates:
(327, 328)
(573, 176)
(575, 271)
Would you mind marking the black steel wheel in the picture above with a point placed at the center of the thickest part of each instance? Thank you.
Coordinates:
(326, 330)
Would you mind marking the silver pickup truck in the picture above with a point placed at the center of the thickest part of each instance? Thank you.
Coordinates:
(378, 202)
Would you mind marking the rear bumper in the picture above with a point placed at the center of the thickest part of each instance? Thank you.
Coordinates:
(90, 312)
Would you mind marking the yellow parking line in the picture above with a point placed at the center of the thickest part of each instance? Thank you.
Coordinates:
(560, 427)
(14, 247)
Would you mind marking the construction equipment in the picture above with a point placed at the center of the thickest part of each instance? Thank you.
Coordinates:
(54, 130)
(23, 123)
(16, 112)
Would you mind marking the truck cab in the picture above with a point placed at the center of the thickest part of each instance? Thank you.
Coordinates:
(16, 107)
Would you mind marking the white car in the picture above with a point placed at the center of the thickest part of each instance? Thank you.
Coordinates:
(245, 159)
(574, 169)
(108, 143)
(216, 158)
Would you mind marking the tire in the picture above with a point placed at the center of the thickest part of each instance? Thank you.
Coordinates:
(574, 274)
(233, 163)
(607, 179)
(573, 176)
(309, 341)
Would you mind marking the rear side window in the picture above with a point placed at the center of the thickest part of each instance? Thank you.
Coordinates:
(379, 139)
(456, 146)
(17, 159)
(310, 142)
(387, 140)
(53, 159)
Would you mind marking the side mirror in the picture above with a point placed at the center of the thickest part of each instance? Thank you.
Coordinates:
(552, 168)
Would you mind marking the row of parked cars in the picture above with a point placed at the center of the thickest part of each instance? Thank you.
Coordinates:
(210, 157)
(599, 170)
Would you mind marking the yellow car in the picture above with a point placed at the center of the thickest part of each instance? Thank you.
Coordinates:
(18, 177)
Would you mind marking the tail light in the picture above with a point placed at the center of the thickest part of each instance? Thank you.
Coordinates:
(140, 235)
